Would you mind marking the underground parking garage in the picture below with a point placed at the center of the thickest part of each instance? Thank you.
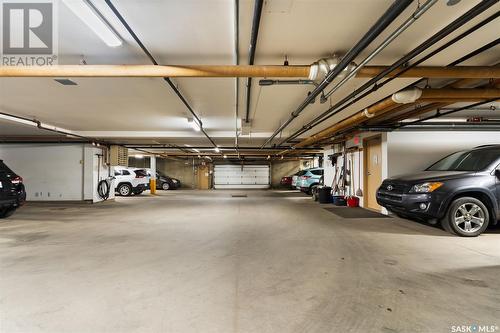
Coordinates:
(249, 166)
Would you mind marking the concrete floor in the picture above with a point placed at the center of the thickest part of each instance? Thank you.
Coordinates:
(191, 261)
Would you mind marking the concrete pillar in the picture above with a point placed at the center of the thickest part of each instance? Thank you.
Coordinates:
(152, 182)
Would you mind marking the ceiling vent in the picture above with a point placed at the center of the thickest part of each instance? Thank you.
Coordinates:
(66, 82)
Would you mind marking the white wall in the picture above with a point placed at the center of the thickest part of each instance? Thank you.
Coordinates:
(414, 151)
(95, 170)
(55, 172)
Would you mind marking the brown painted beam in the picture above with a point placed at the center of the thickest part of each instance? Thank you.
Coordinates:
(270, 71)
(387, 104)
(455, 72)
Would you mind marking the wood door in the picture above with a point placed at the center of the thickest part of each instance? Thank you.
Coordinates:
(203, 177)
(373, 171)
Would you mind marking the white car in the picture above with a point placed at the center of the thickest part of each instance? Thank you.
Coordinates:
(130, 180)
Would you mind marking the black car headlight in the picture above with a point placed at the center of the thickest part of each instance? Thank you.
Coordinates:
(426, 187)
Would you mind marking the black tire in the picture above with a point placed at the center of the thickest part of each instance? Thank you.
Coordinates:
(124, 190)
(6, 212)
(310, 189)
(314, 192)
(138, 192)
(469, 210)
(165, 186)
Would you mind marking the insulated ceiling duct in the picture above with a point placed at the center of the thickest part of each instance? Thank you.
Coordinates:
(322, 67)
(407, 96)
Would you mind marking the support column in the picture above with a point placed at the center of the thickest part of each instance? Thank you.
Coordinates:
(152, 182)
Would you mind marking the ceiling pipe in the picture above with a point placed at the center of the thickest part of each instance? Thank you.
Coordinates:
(236, 62)
(409, 21)
(463, 83)
(390, 103)
(268, 82)
(455, 72)
(63, 132)
(440, 114)
(257, 13)
(418, 109)
(355, 96)
(201, 71)
(443, 126)
(153, 60)
(46, 127)
(382, 23)
(210, 148)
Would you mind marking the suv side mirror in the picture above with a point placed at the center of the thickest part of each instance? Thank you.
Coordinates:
(497, 173)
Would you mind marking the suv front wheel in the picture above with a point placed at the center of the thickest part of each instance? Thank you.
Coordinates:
(467, 217)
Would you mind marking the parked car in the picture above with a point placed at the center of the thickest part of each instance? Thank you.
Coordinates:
(286, 181)
(295, 178)
(130, 180)
(164, 182)
(12, 191)
(310, 178)
(462, 191)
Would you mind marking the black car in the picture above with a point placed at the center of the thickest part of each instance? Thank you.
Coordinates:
(12, 192)
(164, 182)
(462, 191)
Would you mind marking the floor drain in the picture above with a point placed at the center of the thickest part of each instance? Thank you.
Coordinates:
(239, 195)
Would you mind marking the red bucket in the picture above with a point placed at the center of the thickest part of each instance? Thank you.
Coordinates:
(352, 201)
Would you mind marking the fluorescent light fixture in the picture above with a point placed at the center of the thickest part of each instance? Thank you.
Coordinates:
(88, 13)
(225, 156)
(437, 120)
(17, 120)
(217, 150)
(139, 156)
(194, 124)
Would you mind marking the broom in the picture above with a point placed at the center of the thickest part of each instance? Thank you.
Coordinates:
(359, 191)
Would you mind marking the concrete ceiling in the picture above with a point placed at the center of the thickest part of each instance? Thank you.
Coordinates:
(202, 32)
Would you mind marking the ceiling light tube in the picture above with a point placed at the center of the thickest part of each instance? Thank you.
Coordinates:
(89, 14)
(194, 124)
(18, 120)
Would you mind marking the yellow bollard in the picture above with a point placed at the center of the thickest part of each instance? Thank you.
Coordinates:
(152, 186)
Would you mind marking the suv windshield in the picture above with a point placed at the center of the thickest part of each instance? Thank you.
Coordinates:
(475, 160)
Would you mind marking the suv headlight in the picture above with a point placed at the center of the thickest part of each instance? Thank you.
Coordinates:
(426, 187)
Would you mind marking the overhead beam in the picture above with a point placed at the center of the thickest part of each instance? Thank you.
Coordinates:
(388, 104)
(456, 72)
(268, 71)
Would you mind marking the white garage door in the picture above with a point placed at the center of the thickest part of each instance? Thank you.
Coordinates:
(242, 177)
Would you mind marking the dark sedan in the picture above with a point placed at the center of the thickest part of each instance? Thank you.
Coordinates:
(286, 181)
(164, 182)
